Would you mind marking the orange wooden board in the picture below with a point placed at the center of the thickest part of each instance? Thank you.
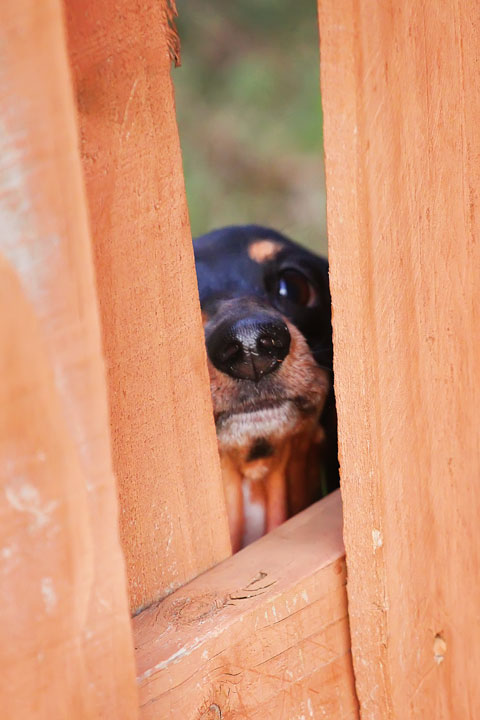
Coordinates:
(66, 649)
(262, 635)
(173, 521)
(402, 115)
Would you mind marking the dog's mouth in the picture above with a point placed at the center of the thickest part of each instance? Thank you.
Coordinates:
(303, 405)
(272, 419)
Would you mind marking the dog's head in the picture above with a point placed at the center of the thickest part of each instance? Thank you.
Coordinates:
(266, 310)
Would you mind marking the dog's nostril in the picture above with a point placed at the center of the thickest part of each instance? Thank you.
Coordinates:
(269, 343)
(230, 352)
(274, 341)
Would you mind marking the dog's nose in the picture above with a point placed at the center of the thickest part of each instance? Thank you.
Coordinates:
(249, 348)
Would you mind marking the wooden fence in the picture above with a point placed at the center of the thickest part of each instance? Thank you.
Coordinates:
(111, 499)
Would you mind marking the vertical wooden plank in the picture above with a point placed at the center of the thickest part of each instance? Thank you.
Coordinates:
(174, 523)
(66, 648)
(402, 112)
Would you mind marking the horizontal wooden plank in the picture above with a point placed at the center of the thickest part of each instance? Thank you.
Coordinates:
(262, 635)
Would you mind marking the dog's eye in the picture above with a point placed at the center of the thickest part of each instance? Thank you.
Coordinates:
(293, 286)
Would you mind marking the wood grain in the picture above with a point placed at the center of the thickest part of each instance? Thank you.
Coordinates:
(402, 110)
(173, 522)
(66, 649)
(262, 635)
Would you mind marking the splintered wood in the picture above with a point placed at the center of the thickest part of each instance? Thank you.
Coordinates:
(400, 87)
(262, 635)
(173, 520)
(66, 649)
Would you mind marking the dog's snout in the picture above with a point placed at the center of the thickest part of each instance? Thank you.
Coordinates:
(249, 348)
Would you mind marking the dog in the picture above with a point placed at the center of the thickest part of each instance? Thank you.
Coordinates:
(265, 304)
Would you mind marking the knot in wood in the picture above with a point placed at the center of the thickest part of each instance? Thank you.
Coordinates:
(189, 610)
(213, 713)
(439, 648)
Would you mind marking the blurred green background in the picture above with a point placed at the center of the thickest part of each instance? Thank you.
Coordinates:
(249, 115)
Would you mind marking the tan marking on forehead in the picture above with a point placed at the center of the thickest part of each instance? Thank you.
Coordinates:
(262, 250)
(205, 318)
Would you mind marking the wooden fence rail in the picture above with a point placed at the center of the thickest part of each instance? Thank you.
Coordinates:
(262, 635)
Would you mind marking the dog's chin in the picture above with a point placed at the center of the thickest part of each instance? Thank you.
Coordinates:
(272, 421)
